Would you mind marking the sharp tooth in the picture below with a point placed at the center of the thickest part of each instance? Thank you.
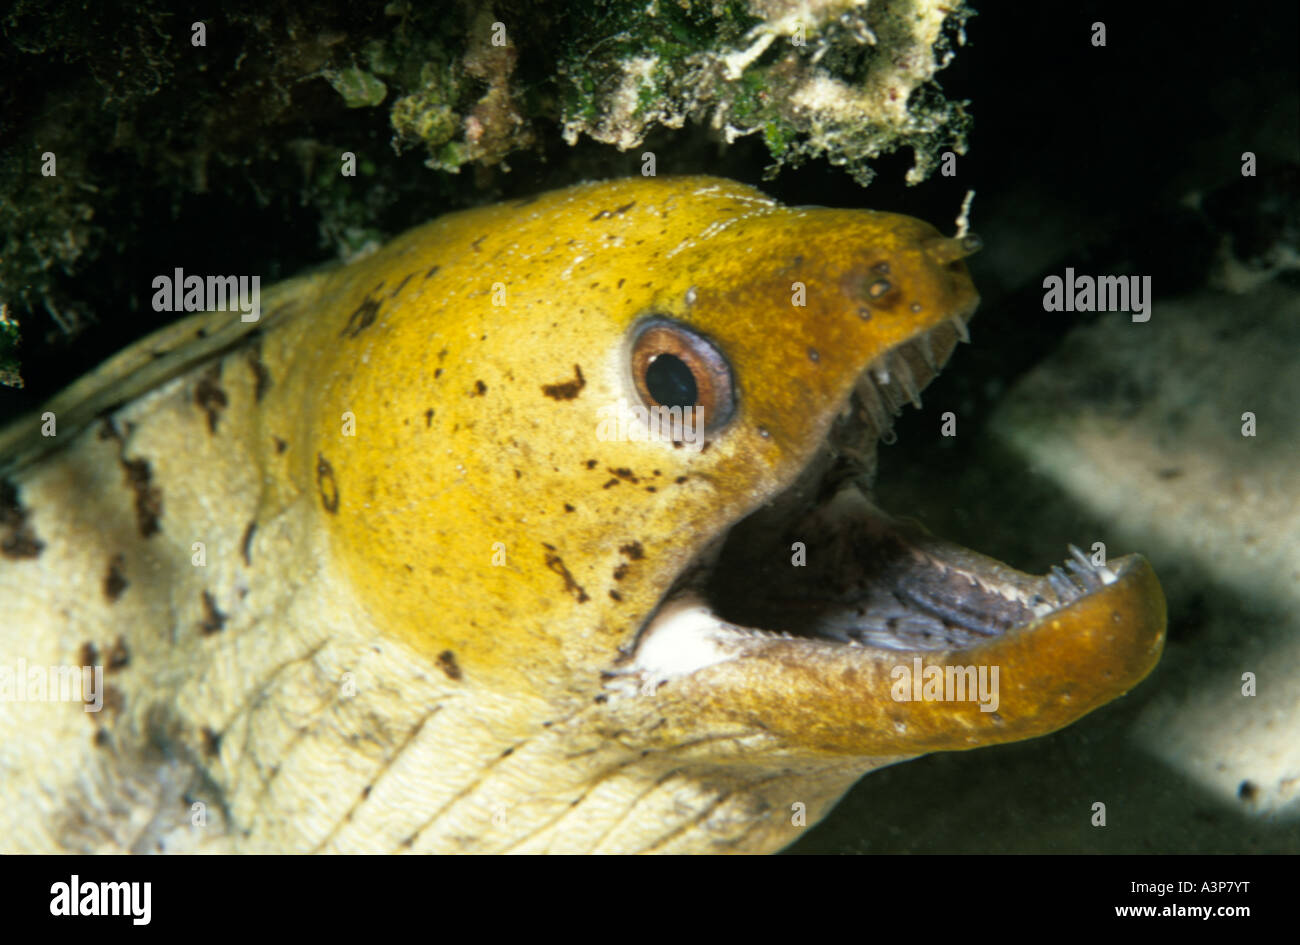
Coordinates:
(1083, 575)
(875, 411)
(1107, 575)
(960, 326)
(906, 381)
(890, 398)
(1042, 610)
(927, 353)
(881, 372)
(1064, 587)
(1080, 557)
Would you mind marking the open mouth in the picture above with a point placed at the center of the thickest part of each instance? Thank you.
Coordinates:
(822, 567)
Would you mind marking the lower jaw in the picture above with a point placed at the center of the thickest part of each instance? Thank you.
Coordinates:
(805, 644)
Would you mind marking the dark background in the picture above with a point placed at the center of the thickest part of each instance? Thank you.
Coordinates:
(1079, 156)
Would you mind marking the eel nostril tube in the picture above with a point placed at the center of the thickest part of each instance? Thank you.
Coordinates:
(946, 249)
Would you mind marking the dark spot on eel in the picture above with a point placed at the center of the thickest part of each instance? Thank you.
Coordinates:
(211, 742)
(115, 581)
(247, 544)
(605, 214)
(566, 390)
(401, 285)
(633, 550)
(148, 497)
(119, 656)
(17, 540)
(447, 663)
(210, 396)
(362, 318)
(213, 619)
(556, 564)
(261, 376)
(325, 482)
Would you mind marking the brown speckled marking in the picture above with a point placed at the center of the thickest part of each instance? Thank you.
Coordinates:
(556, 564)
(433, 270)
(119, 656)
(148, 497)
(364, 315)
(633, 550)
(428, 417)
(606, 214)
(17, 540)
(261, 376)
(211, 742)
(566, 390)
(624, 473)
(210, 396)
(479, 389)
(620, 572)
(447, 663)
(89, 654)
(280, 445)
(246, 546)
(213, 619)
(325, 482)
(401, 285)
(115, 581)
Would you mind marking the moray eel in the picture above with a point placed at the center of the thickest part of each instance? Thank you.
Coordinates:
(370, 574)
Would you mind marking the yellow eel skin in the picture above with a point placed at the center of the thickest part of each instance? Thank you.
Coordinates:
(362, 576)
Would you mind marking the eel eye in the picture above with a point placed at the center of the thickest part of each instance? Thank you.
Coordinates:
(674, 366)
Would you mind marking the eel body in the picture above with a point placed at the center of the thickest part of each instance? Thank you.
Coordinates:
(406, 566)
